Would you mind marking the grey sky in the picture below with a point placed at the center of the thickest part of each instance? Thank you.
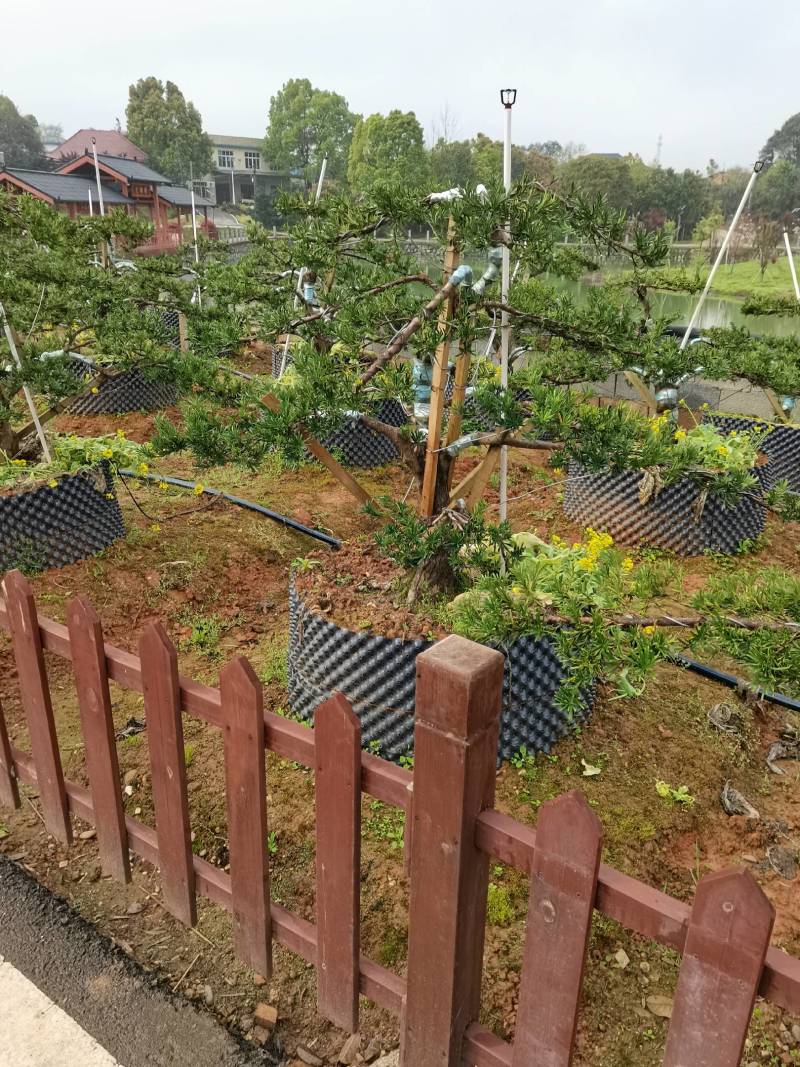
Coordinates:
(715, 77)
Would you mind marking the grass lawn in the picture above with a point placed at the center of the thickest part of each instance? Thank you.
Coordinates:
(744, 279)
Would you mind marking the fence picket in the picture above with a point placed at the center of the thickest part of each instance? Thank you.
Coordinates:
(337, 735)
(102, 766)
(9, 789)
(162, 706)
(35, 691)
(459, 686)
(563, 884)
(726, 945)
(246, 791)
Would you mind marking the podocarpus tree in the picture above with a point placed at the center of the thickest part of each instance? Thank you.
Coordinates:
(59, 298)
(370, 303)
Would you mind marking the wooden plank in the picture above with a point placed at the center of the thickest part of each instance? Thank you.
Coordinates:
(183, 332)
(35, 692)
(460, 381)
(439, 381)
(459, 687)
(474, 483)
(561, 903)
(648, 396)
(102, 766)
(318, 450)
(246, 791)
(168, 768)
(726, 944)
(338, 808)
(9, 789)
(776, 406)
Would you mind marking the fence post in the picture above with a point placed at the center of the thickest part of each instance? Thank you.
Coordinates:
(337, 756)
(162, 706)
(246, 792)
(459, 689)
(9, 789)
(726, 945)
(35, 691)
(563, 885)
(94, 701)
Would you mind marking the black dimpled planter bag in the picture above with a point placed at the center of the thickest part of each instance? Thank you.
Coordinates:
(52, 526)
(378, 676)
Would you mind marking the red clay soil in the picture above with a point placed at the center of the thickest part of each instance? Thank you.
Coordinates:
(219, 579)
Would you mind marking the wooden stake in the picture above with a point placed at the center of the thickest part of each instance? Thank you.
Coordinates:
(321, 453)
(647, 395)
(183, 332)
(776, 405)
(440, 370)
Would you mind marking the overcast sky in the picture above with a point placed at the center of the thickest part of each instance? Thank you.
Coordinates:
(713, 77)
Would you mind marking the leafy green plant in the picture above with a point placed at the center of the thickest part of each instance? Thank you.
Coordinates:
(72, 453)
(499, 910)
(565, 591)
(679, 795)
(206, 633)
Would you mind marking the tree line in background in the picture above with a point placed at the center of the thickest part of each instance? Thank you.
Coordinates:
(306, 124)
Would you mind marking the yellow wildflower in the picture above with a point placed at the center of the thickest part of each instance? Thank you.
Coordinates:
(163, 485)
(587, 563)
(52, 483)
(627, 564)
(722, 450)
(199, 489)
(95, 390)
(121, 435)
(649, 630)
(143, 468)
(680, 435)
(155, 527)
(108, 453)
(558, 471)
(109, 496)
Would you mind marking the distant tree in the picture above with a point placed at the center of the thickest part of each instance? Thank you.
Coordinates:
(169, 128)
(706, 229)
(51, 132)
(728, 188)
(598, 175)
(685, 197)
(305, 125)
(451, 164)
(785, 142)
(487, 157)
(388, 148)
(777, 191)
(20, 140)
(766, 235)
(552, 149)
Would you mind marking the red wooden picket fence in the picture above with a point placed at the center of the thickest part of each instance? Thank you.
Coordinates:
(452, 834)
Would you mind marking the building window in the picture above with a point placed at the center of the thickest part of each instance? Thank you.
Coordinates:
(252, 160)
(225, 157)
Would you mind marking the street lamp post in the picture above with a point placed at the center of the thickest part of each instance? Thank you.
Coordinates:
(508, 98)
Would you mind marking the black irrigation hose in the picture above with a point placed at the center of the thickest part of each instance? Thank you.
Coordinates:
(284, 520)
(734, 682)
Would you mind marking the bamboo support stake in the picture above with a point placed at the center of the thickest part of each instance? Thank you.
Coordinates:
(320, 452)
(440, 371)
(28, 396)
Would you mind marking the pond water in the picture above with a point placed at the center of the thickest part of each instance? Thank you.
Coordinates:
(678, 307)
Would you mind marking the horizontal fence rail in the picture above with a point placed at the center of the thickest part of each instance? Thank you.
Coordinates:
(452, 832)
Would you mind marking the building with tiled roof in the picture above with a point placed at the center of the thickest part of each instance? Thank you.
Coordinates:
(109, 143)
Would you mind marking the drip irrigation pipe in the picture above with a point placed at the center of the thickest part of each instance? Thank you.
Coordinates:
(283, 520)
(734, 682)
